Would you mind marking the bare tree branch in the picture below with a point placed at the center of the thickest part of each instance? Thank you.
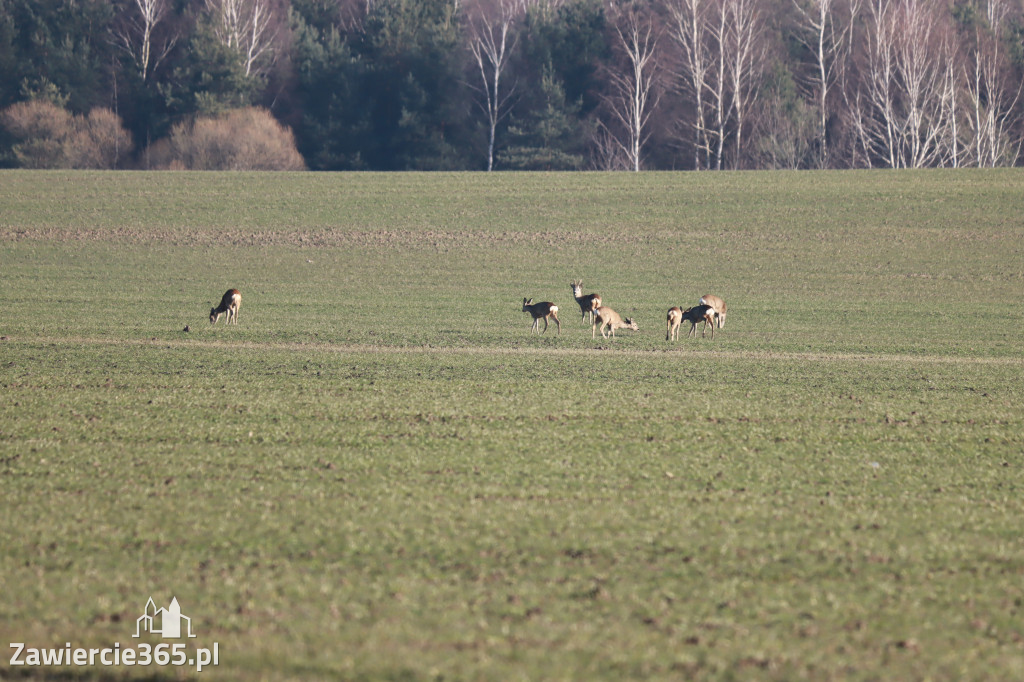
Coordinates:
(746, 63)
(830, 43)
(991, 98)
(634, 93)
(908, 91)
(245, 26)
(135, 35)
(690, 30)
(491, 43)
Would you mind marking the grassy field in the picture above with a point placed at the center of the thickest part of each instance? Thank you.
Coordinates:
(381, 474)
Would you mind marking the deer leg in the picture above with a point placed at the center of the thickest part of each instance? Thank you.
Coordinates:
(557, 324)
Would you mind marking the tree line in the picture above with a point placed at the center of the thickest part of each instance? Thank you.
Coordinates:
(511, 84)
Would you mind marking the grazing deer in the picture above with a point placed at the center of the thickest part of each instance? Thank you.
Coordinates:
(544, 310)
(588, 303)
(606, 317)
(719, 306)
(696, 314)
(229, 303)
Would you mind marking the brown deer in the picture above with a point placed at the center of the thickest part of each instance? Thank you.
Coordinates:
(229, 303)
(693, 316)
(544, 310)
(606, 317)
(588, 303)
(672, 322)
(718, 304)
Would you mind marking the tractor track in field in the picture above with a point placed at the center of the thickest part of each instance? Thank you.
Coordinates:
(530, 351)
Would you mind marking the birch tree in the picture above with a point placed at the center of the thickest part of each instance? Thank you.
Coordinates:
(245, 26)
(923, 56)
(907, 92)
(135, 34)
(689, 30)
(717, 83)
(829, 42)
(634, 93)
(990, 96)
(746, 57)
(491, 43)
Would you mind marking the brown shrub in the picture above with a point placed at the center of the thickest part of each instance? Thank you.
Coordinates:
(39, 129)
(99, 141)
(47, 136)
(241, 139)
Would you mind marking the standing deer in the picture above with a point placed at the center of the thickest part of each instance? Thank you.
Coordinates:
(229, 303)
(606, 317)
(588, 303)
(672, 322)
(718, 304)
(544, 310)
(693, 316)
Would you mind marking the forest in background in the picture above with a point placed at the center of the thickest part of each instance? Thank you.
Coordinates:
(510, 84)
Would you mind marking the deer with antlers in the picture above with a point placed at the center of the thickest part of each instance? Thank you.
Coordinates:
(588, 304)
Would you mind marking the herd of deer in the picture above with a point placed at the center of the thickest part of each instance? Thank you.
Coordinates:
(710, 309)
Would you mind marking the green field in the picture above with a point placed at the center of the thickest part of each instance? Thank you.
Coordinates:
(381, 474)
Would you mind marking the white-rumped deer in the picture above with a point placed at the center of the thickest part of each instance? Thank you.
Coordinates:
(230, 302)
(606, 317)
(545, 310)
(672, 322)
(588, 304)
(693, 315)
(718, 304)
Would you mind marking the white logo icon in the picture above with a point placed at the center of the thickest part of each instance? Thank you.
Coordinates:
(166, 622)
